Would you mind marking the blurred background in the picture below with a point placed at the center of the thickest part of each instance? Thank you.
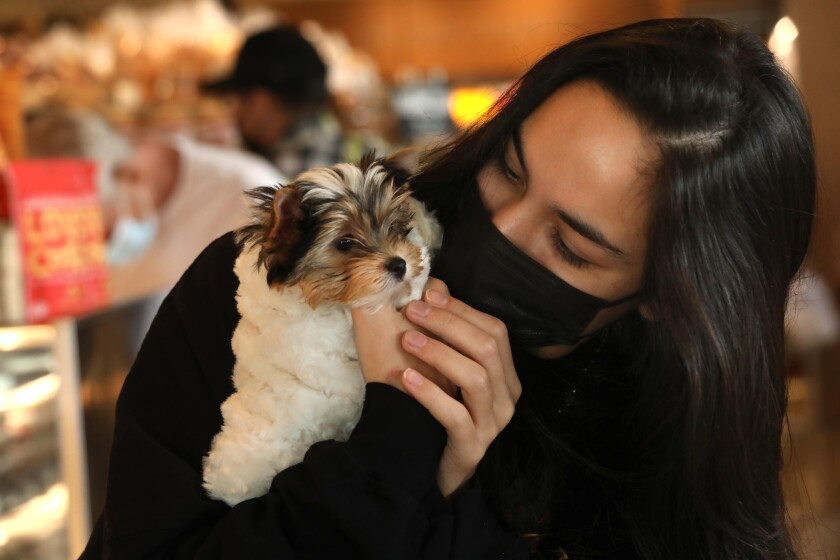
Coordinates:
(118, 166)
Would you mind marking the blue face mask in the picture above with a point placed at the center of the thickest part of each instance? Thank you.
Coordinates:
(130, 238)
(485, 270)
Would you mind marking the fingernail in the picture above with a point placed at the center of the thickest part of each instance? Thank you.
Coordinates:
(412, 377)
(416, 339)
(419, 308)
(436, 297)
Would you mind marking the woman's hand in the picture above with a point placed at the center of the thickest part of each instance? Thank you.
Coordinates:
(381, 357)
(472, 350)
(455, 346)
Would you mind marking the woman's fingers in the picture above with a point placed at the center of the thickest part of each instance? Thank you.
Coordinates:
(464, 447)
(475, 385)
(469, 357)
(478, 335)
(379, 347)
(472, 350)
(446, 409)
(436, 285)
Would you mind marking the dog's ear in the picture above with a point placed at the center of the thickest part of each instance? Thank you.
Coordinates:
(284, 233)
(402, 164)
(425, 224)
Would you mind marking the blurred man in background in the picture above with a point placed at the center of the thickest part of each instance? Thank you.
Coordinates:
(282, 105)
(163, 198)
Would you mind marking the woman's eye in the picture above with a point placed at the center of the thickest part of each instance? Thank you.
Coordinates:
(345, 243)
(511, 174)
(566, 253)
(507, 171)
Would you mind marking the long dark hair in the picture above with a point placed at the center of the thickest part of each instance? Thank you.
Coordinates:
(732, 205)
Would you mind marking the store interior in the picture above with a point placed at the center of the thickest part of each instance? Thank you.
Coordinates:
(407, 72)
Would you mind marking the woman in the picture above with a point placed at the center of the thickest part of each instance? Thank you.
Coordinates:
(620, 234)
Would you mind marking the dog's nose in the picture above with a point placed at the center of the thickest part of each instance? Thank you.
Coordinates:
(396, 266)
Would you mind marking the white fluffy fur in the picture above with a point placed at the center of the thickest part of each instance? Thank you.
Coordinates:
(297, 381)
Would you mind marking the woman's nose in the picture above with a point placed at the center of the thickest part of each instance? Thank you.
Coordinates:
(515, 220)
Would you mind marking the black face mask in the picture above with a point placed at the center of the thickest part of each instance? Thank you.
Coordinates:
(485, 270)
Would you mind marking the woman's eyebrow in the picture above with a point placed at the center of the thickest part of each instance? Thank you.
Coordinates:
(582, 227)
(589, 231)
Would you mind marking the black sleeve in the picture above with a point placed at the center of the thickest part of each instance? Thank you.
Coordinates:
(372, 497)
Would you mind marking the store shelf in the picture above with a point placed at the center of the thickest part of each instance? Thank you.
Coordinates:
(34, 490)
(36, 529)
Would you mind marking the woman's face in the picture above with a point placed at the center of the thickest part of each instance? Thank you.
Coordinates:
(573, 196)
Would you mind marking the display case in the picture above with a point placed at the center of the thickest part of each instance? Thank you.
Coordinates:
(43, 484)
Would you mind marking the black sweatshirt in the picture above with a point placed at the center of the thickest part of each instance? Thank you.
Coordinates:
(372, 497)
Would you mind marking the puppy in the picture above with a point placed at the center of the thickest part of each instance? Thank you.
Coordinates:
(334, 239)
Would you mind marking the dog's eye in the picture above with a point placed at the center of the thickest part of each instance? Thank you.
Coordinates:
(345, 243)
(401, 230)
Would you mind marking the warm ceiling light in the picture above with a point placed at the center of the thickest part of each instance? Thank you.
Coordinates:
(786, 30)
(784, 34)
(468, 104)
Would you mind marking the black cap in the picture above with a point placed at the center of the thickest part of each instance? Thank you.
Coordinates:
(280, 60)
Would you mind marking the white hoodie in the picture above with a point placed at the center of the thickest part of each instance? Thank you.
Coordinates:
(208, 200)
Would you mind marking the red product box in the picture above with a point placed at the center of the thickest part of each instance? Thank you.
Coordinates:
(55, 208)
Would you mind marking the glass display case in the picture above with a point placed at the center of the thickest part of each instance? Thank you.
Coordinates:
(43, 491)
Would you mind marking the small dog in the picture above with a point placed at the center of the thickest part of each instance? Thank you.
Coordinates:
(334, 239)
